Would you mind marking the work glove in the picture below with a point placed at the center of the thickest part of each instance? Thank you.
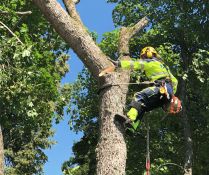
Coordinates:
(116, 63)
(110, 68)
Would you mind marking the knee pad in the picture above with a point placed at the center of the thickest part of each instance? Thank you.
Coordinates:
(132, 114)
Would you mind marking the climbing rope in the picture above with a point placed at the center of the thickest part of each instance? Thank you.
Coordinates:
(148, 151)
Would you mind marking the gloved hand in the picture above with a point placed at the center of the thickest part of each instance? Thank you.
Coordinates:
(116, 63)
(110, 68)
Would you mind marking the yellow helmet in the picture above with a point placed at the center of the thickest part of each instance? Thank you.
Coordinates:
(148, 52)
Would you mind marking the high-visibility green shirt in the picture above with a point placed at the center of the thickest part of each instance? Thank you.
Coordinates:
(153, 69)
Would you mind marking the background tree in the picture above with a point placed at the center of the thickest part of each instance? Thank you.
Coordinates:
(32, 62)
(185, 29)
(183, 26)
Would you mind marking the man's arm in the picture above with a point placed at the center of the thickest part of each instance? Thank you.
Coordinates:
(133, 65)
(124, 64)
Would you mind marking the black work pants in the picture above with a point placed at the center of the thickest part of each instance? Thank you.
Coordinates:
(149, 99)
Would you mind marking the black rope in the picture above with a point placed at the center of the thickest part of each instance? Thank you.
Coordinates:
(105, 86)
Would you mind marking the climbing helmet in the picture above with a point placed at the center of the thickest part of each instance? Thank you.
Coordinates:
(148, 52)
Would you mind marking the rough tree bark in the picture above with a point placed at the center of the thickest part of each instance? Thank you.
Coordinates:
(1, 153)
(111, 149)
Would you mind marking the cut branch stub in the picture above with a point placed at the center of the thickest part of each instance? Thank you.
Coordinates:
(124, 42)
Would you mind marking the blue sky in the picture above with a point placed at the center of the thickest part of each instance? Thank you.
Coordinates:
(97, 16)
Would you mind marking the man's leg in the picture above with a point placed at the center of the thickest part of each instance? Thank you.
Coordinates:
(143, 101)
(137, 106)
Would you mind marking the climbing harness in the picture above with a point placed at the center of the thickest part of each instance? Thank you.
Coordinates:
(148, 151)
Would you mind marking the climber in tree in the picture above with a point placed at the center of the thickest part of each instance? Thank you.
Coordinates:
(161, 92)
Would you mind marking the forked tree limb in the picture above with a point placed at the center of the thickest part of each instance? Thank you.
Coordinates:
(126, 33)
(75, 34)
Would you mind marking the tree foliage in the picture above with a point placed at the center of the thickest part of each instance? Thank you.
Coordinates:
(178, 31)
(31, 94)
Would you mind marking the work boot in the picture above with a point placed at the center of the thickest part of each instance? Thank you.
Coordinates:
(130, 126)
(122, 119)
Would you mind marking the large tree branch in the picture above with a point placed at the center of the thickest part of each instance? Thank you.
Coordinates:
(126, 33)
(75, 35)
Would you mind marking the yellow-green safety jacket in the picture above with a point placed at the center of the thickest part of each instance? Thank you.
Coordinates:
(153, 69)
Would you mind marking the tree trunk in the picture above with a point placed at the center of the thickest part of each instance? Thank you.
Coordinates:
(111, 149)
(187, 134)
(1, 153)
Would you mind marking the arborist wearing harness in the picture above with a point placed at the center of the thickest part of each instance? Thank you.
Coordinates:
(158, 95)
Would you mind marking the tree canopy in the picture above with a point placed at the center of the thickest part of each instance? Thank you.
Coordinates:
(178, 31)
(33, 59)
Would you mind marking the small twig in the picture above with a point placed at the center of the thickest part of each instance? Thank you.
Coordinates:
(5, 26)
(70, 7)
(18, 13)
